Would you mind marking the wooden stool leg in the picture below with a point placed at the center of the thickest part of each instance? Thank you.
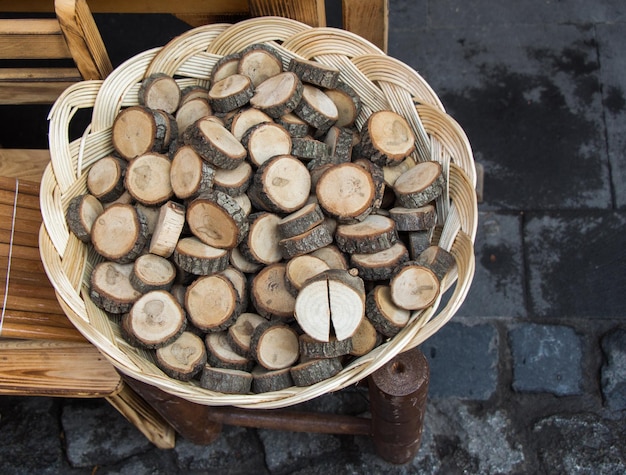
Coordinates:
(398, 393)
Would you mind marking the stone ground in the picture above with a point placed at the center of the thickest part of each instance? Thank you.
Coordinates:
(530, 376)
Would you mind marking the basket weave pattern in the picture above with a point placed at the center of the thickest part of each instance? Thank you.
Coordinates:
(382, 83)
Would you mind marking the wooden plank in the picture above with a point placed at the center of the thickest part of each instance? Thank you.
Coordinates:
(369, 19)
(32, 93)
(26, 187)
(26, 164)
(311, 12)
(135, 6)
(32, 39)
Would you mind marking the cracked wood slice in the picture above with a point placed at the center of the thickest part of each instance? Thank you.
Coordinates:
(380, 265)
(228, 381)
(240, 333)
(348, 103)
(105, 179)
(190, 175)
(419, 185)
(246, 118)
(265, 381)
(375, 233)
(386, 138)
(307, 242)
(233, 182)
(414, 287)
(315, 371)
(168, 229)
(261, 243)
(301, 221)
(308, 148)
(110, 288)
(191, 110)
(311, 348)
(225, 66)
(148, 179)
(220, 353)
(282, 184)
(274, 345)
(217, 219)
(316, 108)
(152, 272)
(198, 258)
(315, 73)
(156, 319)
(346, 192)
(266, 140)
(215, 143)
(334, 296)
(259, 62)
(436, 259)
(294, 125)
(332, 256)
(269, 294)
(365, 339)
(212, 303)
(82, 212)
(120, 233)
(183, 358)
(231, 93)
(414, 219)
(302, 268)
(135, 132)
(160, 91)
(278, 95)
(383, 313)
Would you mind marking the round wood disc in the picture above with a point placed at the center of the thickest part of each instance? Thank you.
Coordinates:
(212, 303)
(285, 183)
(270, 295)
(414, 287)
(183, 358)
(218, 220)
(278, 95)
(148, 179)
(133, 132)
(110, 287)
(120, 233)
(345, 191)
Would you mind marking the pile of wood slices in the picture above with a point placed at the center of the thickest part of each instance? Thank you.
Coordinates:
(252, 237)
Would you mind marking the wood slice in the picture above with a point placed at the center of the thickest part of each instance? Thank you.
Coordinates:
(310, 348)
(167, 121)
(220, 354)
(244, 202)
(386, 138)
(212, 303)
(233, 182)
(380, 265)
(231, 93)
(240, 283)
(105, 179)
(190, 93)
(266, 140)
(225, 66)
(274, 345)
(308, 148)
(383, 313)
(198, 258)
(159, 91)
(183, 358)
(301, 221)
(414, 287)
(148, 179)
(190, 175)
(265, 381)
(282, 184)
(278, 95)
(228, 381)
(82, 212)
(375, 233)
(316, 108)
(191, 110)
(339, 141)
(347, 102)
(419, 241)
(315, 371)
(259, 62)
(178, 292)
(240, 333)
(151, 213)
(155, 320)
(414, 219)
(365, 339)
(215, 143)
(419, 185)
(120, 233)
(134, 132)
(392, 173)
(378, 178)
(302, 268)
(152, 272)
(309, 241)
(332, 256)
(110, 288)
(437, 260)
(269, 294)
(168, 229)
(217, 219)
(261, 243)
(346, 192)
(246, 118)
(294, 125)
(240, 262)
(315, 73)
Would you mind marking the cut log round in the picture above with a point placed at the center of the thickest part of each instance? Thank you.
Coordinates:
(378, 177)
(313, 72)
(419, 185)
(110, 288)
(168, 229)
(380, 265)
(217, 219)
(231, 93)
(437, 260)
(190, 175)
(135, 132)
(274, 345)
(261, 244)
(259, 62)
(282, 184)
(233, 182)
(155, 320)
(269, 294)
(266, 140)
(215, 143)
(339, 141)
(278, 95)
(385, 315)
(105, 179)
(120, 233)
(152, 272)
(375, 233)
(365, 339)
(228, 381)
(160, 91)
(183, 358)
(190, 93)
(244, 202)
(240, 262)
(419, 241)
(386, 138)
(148, 179)
(167, 121)
(294, 124)
(302, 268)
(310, 348)
(191, 110)
(240, 282)
(198, 258)
(346, 192)
(332, 256)
(347, 102)
(220, 354)
(82, 212)
(240, 333)
(301, 221)
(414, 287)
(316, 108)
(309, 241)
(265, 381)
(315, 371)
(308, 148)
(212, 303)
(225, 66)
(414, 219)
(151, 213)
(246, 118)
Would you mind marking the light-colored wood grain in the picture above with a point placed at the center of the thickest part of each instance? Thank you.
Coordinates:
(25, 164)
(32, 39)
(125, 6)
(369, 19)
(311, 12)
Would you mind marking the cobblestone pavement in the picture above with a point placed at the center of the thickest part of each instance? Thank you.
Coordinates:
(530, 375)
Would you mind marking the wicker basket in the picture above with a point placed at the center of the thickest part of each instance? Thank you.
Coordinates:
(381, 81)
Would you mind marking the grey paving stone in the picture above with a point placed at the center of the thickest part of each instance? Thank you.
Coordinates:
(576, 264)
(153, 462)
(528, 97)
(546, 359)
(463, 361)
(580, 444)
(498, 286)
(613, 375)
(408, 14)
